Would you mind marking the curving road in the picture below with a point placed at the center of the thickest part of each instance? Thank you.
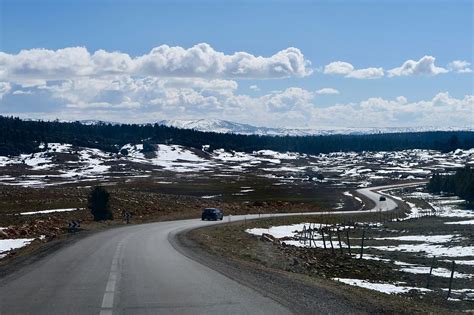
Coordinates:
(374, 194)
(129, 270)
(136, 270)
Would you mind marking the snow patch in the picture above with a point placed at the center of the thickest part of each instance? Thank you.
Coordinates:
(50, 211)
(388, 288)
(9, 244)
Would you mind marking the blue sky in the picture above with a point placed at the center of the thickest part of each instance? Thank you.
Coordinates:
(379, 35)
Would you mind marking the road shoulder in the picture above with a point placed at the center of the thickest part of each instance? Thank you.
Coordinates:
(299, 293)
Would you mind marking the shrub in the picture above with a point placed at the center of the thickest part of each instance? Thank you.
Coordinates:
(148, 147)
(99, 204)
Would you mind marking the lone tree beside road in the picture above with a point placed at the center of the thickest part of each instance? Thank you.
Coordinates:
(99, 204)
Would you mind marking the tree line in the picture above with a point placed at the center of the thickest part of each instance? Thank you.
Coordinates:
(24, 136)
(460, 184)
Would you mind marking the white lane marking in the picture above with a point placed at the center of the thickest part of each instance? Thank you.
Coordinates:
(108, 301)
(109, 294)
(110, 286)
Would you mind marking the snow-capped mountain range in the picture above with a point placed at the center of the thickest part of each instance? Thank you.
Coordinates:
(224, 126)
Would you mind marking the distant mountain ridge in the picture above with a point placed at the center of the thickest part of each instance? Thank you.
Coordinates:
(224, 126)
(26, 136)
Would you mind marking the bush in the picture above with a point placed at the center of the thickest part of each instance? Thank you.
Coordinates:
(99, 204)
(124, 152)
(148, 147)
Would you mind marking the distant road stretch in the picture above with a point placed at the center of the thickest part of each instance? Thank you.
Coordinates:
(136, 270)
(373, 193)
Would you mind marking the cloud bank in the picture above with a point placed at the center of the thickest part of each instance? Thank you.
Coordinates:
(200, 61)
(175, 82)
(424, 66)
(150, 99)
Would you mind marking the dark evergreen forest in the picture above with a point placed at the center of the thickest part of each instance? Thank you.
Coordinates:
(23, 136)
(460, 184)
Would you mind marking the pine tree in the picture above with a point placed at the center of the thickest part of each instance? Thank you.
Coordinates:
(460, 184)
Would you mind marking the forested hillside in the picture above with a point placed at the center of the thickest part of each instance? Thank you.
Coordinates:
(460, 184)
(24, 136)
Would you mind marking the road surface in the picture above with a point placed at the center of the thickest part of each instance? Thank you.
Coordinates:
(374, 193)
(135, 270)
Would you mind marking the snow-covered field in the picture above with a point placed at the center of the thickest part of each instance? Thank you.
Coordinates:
(63, 163)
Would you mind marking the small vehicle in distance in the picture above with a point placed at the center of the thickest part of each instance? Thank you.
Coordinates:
(382, 198)
(212, 214)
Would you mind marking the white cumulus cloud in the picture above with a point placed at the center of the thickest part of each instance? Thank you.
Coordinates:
(5, 87)
(327, 91)
(424, 66)
(203, 61)
(254, 87)
(289, 99)
(460, 66)
(367, 73)
(338, 67)
(346, 69)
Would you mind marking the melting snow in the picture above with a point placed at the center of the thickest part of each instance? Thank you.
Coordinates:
(422, 238)
(388, 288)
(430, 249)
(439, 272)
(279, 231)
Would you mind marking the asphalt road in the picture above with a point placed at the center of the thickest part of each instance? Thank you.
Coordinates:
(374, 193)
(135, 270)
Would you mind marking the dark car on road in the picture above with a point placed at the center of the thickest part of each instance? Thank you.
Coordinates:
(212, 214)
